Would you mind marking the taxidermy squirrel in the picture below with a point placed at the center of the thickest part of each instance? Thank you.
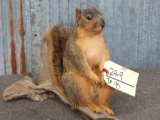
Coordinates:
(76, 59)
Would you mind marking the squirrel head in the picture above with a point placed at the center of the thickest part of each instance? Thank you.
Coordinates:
(89, 20)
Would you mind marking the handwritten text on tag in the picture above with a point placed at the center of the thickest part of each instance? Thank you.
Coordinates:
(120, 77)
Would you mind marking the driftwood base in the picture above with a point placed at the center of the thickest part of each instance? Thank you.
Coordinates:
(45, 89)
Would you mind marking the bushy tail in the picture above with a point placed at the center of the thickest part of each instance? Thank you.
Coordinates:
(56, 38)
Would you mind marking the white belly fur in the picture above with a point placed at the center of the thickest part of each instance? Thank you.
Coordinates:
(95, 50)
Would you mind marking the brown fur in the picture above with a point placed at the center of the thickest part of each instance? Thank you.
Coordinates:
(76, 61)
(56, 38)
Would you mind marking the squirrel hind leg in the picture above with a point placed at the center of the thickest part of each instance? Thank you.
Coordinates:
(77, 89)
(73, 85)
(104, 96)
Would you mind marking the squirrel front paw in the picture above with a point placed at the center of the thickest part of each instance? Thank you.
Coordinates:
(97, 80)
(100, 83)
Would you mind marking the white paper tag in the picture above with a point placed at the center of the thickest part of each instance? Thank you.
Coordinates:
(120, 77)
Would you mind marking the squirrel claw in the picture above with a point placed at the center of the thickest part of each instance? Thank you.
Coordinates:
(100, 83)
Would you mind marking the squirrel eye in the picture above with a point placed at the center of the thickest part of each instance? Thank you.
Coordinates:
(89, 17)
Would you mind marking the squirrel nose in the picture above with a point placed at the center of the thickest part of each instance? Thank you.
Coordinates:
(102, 23)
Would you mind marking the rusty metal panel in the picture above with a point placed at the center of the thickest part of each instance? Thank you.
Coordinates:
(28, 34)
(63, 12)
(13, 37)
(2, 65)
(54, 9)
(132, 30)
(38, 24)
(6, 35)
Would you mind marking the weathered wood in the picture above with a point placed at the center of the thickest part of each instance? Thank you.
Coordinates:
(45, 89)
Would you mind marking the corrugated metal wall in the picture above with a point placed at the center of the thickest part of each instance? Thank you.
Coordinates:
(132, 30)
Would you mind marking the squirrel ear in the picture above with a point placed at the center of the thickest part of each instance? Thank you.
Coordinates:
(92, 8)
(78, 15)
